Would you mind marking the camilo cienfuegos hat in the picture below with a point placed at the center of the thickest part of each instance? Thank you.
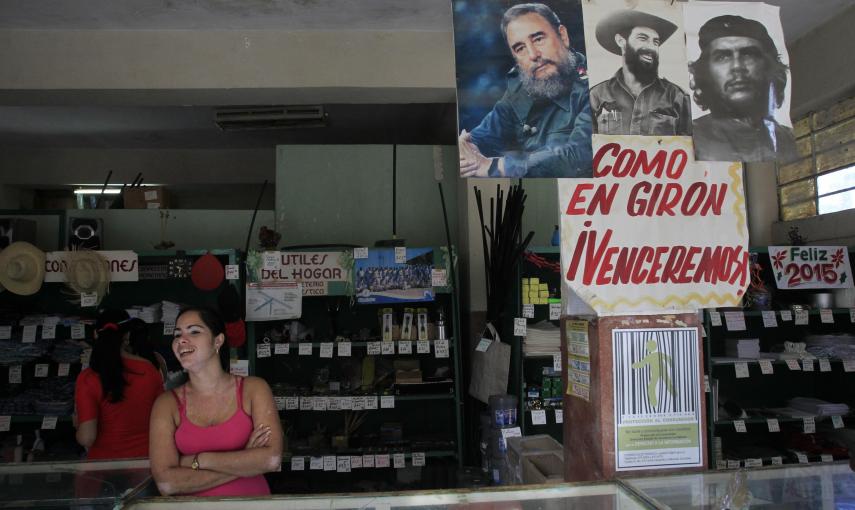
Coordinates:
(735, 26)
(624, 21)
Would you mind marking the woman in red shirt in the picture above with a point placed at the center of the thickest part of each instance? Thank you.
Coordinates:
(114, 396)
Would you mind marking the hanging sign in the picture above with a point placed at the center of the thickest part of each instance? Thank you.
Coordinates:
(124, 265)
(655, 232)
(314, 269)
(657, 398)
(811, 267)
(273, 301)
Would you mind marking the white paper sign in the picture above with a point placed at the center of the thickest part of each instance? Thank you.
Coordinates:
(793, 364)
(554, 311)
(304, 349)
(373, 348)
(538, 417)
(356, 461)
(168, 328)
(48, 423)
(88, 299)
(357, 403)
(849, 365)
(753, 463)
(360, 253)
(5, 332)
(418, 459)
(326, 350)
(49, 331)
(715, 318)
(344, 349)
(405, 347)
(381, 460)
(281, 348)
(809, 425)
(624, 249)
(824, 365)
(329, 463)
(826, 457)
(387, 401)
(837, 422)
(440, 348)
(773, 424)
(807, 365)
(280, 402)
(124, 265)
(342, 464)
(802, 317)
(769, 319)
(292, 403)
(826, 316)
(276, 300)
(741, 370)
(387, 348)
(15, 374)
(316, 463)
(369, 402)
(5, 423)
(368, 461)
(438, 278)
(307, 403)
(400, 255)
(556, 362)
(29, 334)
(777, 461)
(519, 326)
(399, 461)
(270, 260)
(735, 321)
(786, 315)
(298, 463)
(559, 416)
(766, 367)
(739, 425)
(528, 311)
(233, 273)
(41, 370)
(262, 350)
(733, 464)
(811, 267)
(320, 403)
(423, 346)
(63, 370)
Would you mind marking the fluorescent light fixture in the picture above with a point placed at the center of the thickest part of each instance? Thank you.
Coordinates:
(97, 191)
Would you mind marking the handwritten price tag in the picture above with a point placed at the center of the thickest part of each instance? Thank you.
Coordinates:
(807, 365)
(826, 316)
(292, 403)
(305, 349)
(5, 423)
(281, 348)
(418, 459)
(438, 278)
(262, 350)
(63, 370)
(786, 315)
(715, 318)
(826, 457)
(753, 463)
(400, 255)
(405, 347)
(741, 370)
(777, 461)
(824, 365)
(387, 348)
(559, 416)
(801, 317)
(556, 362)
(368, 461)
(837, 422)
(381, 460)
(538, 417)
(735, 321)
(42, 370)
(233, 273)
(766, 367)
(849, 365)
(326, 350)
(793, 364)
(809, 425)
(342, 464)
(49, 331)
(519, 326)
(423, 346)
(280, 403)
(769, 320)
(316, 463)
(29, 334)
(739, 425)
(399, 461)
(773, 425)
(88, 299)
(360, 253)
(48, 422)
(344, 349)
(373, 348)
(78, 331)
(356, 461)
(733, 464)
(329, 463)
(298, 463)
(5, 332)
(528, 311)
(15, 374)
(440, 348)
(271, 260)
(387, 401)
(554, 311)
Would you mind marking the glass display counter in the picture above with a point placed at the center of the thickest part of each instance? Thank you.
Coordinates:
(596, 496)
(815, 487)
(73, 484)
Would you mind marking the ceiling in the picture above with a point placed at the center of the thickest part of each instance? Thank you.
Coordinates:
(173, 126)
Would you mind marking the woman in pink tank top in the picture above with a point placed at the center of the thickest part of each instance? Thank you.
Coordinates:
(218, 434)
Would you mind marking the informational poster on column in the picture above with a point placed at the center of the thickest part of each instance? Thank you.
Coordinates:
(578, 360)
(655, 231)
(811, 267)
(657, 398)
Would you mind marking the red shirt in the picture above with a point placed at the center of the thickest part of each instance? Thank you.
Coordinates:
(122, 426)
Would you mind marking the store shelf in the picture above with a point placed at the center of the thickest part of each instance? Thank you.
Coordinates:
(317, 345)
(787, 461)
(435, 454)
(759, 313)
(733, 361)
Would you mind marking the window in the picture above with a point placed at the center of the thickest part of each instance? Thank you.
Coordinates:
(823, 180)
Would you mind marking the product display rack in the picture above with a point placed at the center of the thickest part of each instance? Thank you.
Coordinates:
(430, 419)
(764, 383)
(529, 371)
(52, 299)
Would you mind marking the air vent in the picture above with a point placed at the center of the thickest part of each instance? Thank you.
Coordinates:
(239, 118)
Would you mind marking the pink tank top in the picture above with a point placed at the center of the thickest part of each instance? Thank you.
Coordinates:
(231, 435)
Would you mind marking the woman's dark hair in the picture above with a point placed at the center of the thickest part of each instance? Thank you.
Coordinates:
(139, 341)
(106, 358)
(212, 320)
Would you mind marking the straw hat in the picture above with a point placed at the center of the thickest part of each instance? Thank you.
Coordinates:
(87, 271)
(22, 268)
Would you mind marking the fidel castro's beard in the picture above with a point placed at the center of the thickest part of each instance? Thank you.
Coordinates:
(552, 86)
(645, 72)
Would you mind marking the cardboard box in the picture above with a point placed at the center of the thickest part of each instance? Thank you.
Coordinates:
(147, 197)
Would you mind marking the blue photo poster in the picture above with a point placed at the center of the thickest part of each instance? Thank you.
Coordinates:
(380, 279)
